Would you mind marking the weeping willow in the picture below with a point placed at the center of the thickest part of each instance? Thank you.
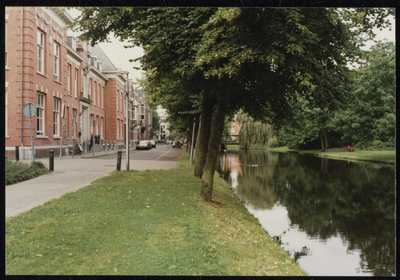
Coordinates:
(255, 134)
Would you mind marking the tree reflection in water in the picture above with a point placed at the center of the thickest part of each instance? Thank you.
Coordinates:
(327, 198)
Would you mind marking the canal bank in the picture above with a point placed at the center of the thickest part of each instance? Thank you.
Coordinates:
(144, 223)
(386, 157)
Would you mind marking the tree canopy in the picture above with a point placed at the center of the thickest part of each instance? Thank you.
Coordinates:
(260, 60)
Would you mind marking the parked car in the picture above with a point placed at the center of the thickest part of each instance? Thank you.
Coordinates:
(176, 143)
(143, 145)
(153, 144)
(160, 141)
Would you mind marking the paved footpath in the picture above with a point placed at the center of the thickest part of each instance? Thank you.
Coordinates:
(70, 174)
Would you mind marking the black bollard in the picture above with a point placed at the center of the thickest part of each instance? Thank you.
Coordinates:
(16, 153)
(119, 160)
(51, 160)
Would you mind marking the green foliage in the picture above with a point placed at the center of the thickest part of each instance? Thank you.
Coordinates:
(155, 123)
(17, 171)
(255, 134)
(372, 116)
(265, 58)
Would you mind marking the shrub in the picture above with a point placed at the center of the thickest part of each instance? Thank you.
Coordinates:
(17, 171)
(272, 142)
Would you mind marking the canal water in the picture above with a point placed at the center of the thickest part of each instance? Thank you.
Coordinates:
(335, 218)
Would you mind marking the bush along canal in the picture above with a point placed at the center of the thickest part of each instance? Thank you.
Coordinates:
(335, 218)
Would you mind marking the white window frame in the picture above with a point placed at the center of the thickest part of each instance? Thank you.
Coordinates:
(56, 116)
(133, 113)
(117, 129)
(56, 61)
(40, 113)
(142, 112)
(76, 83)
(117, 100)
(94, 92)
(102, 97)
(40, 51)
(97, 125)
(98, 94)
(91, 124)
(90, 89)
(85, 90)
(122, 130)
(101, 127)
(69, 79)
(74, 112)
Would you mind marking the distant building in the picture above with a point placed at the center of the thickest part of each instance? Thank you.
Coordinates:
(79, 94)
(235, 130)
(164, 126)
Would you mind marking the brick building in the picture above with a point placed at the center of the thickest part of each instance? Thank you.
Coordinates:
(79, 94)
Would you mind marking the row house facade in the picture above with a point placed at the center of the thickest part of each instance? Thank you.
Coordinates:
(79, 94)
(164, 125)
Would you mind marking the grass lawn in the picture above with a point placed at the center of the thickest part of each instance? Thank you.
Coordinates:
(388, 157)
(144, 223)
(232, 148)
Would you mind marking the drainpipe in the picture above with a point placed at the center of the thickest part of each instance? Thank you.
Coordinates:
(22, 75)
(105, 111)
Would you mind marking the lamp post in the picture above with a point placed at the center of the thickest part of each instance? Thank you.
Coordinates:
(127, 117)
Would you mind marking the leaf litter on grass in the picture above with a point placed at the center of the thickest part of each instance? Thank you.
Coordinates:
(178, 234)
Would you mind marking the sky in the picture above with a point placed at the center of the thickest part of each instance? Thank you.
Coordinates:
(120, 56)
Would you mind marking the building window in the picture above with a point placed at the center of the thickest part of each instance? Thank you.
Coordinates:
(66, 117)
(56, 117)
(40, 114)
(91, 124)
(76, 83)
(122, 130)
(97, 125)
(102, 97)
(101, 128)
(40, 52)
(69, 79)
(117, 100)
(56, 62)
(117, 129)
(94, 93)
(99, 94)
(90, 89)
(85, 93)
(73, 123)
(133, 113)
(142, 112)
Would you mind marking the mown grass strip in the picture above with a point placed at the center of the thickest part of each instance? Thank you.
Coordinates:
(144, 223)
(388, 157)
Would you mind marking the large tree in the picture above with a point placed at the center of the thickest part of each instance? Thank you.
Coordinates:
(372, 118)
(260, 60)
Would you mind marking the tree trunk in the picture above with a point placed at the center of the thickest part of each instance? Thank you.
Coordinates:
(217, 131)
(189, 131)
(326, 140)
(321, 137)
(203, 135)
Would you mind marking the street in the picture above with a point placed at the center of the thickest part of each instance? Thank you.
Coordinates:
(71, 174)
(160, 153)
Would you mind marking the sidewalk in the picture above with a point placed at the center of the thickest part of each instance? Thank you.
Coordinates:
(70, 174)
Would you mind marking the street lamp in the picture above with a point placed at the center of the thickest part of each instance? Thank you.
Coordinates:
(127, 117)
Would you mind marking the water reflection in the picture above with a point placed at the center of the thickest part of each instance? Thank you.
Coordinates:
(325, 199)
